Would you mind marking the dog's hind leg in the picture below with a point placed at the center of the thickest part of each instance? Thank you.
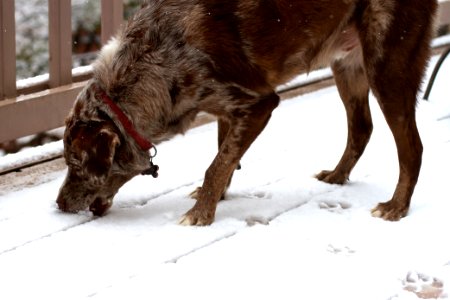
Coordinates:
(395, 78)
(246, 122)
(353, 88)
(398, 107)
(397, 98)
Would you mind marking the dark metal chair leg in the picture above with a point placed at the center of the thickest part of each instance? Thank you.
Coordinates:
(434, 74)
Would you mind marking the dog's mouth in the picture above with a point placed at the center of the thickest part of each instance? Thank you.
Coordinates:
(72, 200)
(77, 195)
(100, 205)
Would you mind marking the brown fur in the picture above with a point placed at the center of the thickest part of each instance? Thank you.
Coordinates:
(176, 58)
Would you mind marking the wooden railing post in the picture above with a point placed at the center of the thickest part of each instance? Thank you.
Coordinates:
(7, 50)
(444, 12)
(112, 18)
(60, 42)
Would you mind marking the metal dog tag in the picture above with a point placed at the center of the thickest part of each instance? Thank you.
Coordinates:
(153, 170)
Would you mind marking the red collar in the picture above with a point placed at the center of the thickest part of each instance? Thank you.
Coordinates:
(124, 120)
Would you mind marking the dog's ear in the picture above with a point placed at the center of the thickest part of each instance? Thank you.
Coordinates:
(93, 146)
(99, 157)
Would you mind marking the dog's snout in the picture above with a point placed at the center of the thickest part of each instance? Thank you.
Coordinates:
(70, 199)
(74, 197)
(64, 205)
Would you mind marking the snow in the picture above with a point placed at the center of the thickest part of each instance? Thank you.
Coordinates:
(280, 235)
(43, 78)
(30, 156)
(441, 41)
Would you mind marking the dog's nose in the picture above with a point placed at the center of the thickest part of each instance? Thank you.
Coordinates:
(62, 202)
(62, 205)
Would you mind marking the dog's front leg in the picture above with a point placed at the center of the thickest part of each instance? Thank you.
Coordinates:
(223, 129)
(246, 122)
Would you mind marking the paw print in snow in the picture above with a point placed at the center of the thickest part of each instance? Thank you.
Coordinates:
(424, 286)
(340, 250)
(334, 206)
(254, 220)
(251, 195)
(259, 195)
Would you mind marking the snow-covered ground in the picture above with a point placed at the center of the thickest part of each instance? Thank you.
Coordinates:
(280, 235)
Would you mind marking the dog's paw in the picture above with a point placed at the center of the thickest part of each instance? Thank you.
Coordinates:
(390, 211)
(424, 286)
(196, 217)
(332, 177)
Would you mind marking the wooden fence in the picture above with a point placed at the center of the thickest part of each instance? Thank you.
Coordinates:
(44, 105)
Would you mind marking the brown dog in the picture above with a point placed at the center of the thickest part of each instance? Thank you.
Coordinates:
(176, 58)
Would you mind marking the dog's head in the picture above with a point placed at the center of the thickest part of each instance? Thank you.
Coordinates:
(99, 162)
(92, 181)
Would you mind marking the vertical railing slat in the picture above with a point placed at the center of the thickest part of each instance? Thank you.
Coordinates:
(60, 42)
(444, 12)
(7, 50)
(112, 18)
